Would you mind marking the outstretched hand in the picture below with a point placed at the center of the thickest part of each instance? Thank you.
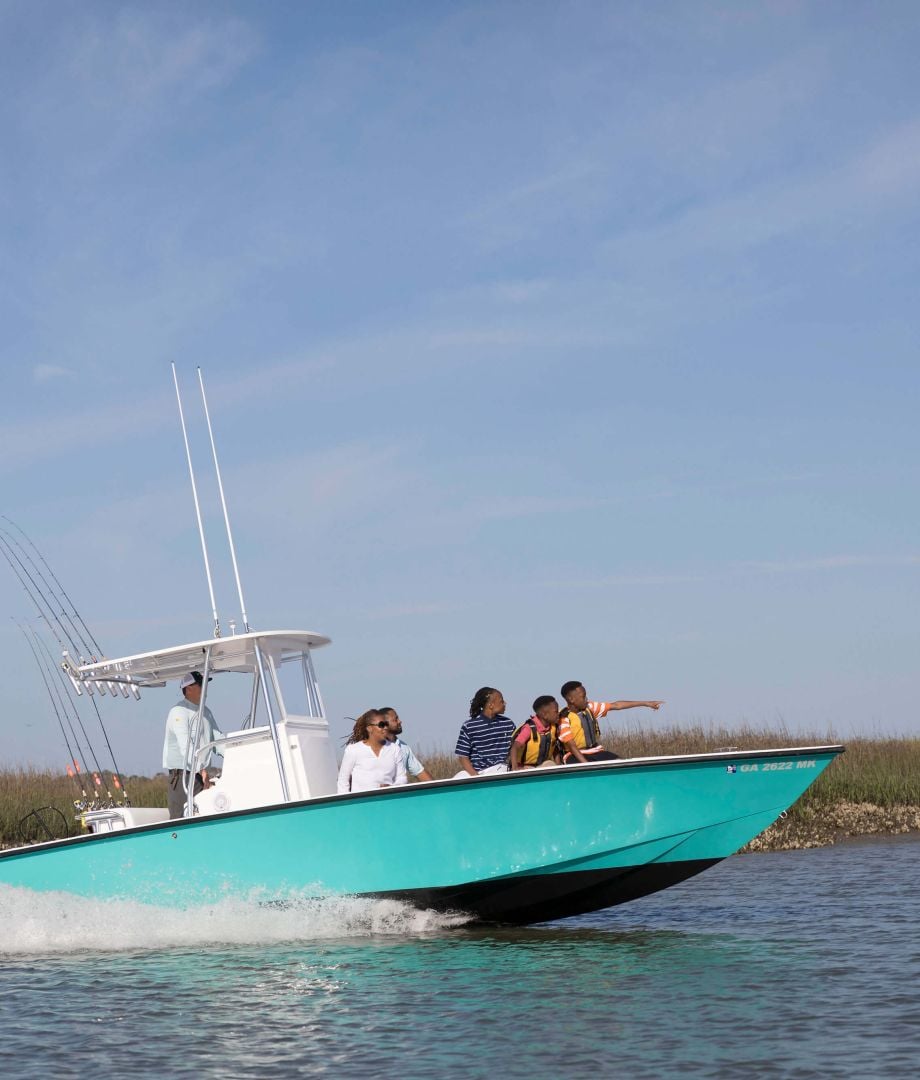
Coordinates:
(654, 704)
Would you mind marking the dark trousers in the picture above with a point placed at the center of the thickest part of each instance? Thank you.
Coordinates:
(175, 791)
(600, 755)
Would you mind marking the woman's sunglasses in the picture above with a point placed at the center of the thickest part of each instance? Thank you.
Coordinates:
(381, 723)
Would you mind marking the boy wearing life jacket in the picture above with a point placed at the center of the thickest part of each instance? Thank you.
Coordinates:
(535, 743)
(579, 723)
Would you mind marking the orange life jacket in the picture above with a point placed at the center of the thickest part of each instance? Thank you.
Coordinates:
(586, 731)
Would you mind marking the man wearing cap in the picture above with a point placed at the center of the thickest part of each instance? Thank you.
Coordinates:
(179, 725)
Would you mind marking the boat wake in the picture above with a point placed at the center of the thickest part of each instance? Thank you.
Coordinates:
(61, 923)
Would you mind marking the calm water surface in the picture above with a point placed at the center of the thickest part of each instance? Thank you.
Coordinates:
(801, 964)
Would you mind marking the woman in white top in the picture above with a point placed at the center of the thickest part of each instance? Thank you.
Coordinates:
(371, 761)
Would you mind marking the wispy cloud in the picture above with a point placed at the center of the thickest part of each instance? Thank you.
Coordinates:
(330, 369)
(620, 170)
(741, 570)
(42, 373)
(111, 80)
(506, 217)
(508, 507)
(520, 292)
(143, 57)
(890, 167)
(71, 433)
(627, 580)
(872, 181)
(412, 611)
(827, 562)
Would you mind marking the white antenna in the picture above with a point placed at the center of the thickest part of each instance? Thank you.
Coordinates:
(223, 503)
(191, 472)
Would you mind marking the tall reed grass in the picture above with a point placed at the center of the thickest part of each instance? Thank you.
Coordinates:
(25, 790)
(881, 771)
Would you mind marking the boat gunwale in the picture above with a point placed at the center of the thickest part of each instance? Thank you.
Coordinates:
(404, 790)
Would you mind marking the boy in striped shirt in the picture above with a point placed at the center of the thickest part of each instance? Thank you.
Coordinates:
(579, 727)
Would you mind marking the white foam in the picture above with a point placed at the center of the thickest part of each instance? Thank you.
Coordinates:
(57, 922)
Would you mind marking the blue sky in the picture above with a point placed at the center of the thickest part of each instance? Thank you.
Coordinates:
(542, 341)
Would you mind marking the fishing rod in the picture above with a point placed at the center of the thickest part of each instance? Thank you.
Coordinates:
(56, 695)
(52, 601)
(116, 772)
(6, 537)
(63, 591)
(95, 651)
(99, 773)
(50, 593)
(44, 607)
(36, 594)
(73, 758)
(9, 554)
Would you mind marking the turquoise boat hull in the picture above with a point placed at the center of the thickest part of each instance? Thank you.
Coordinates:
(517, 847)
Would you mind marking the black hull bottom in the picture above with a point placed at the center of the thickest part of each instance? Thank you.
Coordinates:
(541, 897)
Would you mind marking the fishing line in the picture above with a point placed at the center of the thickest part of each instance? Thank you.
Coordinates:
(34, 594)
(70, 752)
(56, 696)
(62, 590)
(10, 554)
(97, 778)
(116, 772)
(49, 591)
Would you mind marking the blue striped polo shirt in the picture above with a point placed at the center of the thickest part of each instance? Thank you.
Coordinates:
(485, 742)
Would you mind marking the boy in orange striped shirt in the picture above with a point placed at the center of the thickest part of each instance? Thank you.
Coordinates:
(579, 727)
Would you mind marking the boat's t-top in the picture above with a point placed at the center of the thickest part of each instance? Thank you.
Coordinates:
(289, 756)
(281, 752)
(238, 653)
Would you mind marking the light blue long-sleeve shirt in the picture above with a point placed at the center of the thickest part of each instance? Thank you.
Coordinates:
(179, 724)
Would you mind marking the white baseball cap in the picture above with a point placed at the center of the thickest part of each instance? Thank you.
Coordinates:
(190, 679)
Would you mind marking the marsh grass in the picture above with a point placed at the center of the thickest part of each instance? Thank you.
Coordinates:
(25, 790)
(883, 771)
(878, 771)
